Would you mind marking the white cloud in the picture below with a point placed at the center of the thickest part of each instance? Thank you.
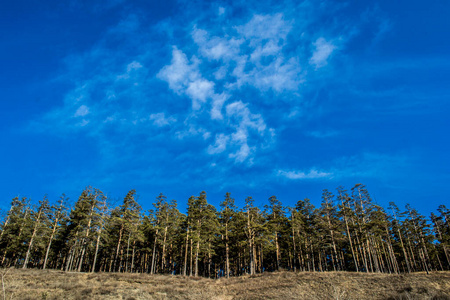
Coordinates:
(216, 48)
(220, 144)
(297, 175)
(245, 118)
(268, 49)
(255, 52)
(160, 120)
(244, 121)
(323, 50)
(240, 136)
(83, 123)
(199, 90)
(178, 73)
(262, 27)
(242, 154)
(82, 111)
(218, 101)
(131, 67)
(279, 76)
(192, 130)
(185, 78)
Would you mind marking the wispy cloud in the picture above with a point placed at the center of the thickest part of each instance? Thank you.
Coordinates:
(81, 111)
(160, 119)
(298, 175)
(220, 144)
(322, 51)
(367, 165)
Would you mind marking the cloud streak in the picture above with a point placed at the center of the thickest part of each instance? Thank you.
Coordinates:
(300, 175)
(358, 167)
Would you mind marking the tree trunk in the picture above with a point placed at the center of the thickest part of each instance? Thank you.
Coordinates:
(132, 256)
(128, 251)
(250, 240)
(186, 252)
(55, 225)
(163, 259)
(84, 245)
(152, 270)
(278, 250)
(96, 250)
(196, 257)
(30, 245)
(118, 247)
(227, 251)
(192, 250)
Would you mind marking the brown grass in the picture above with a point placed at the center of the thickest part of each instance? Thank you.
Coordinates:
(50, 284)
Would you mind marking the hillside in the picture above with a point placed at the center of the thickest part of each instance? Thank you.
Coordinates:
(50, 284)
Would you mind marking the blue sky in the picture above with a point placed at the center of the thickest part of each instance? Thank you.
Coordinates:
(256, 98)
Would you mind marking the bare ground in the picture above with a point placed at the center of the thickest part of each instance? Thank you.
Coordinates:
(51, 284)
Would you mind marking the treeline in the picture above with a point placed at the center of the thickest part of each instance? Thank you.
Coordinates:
(348, 232)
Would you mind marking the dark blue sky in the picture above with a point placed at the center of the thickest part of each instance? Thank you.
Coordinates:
(256, 98)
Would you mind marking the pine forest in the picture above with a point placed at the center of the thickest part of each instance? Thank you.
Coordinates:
(348, 232)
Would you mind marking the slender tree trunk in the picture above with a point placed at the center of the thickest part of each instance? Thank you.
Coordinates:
(192, 250)
(128, 251)
(391, 251)
(196, 257)
(227, 251)
(50, 242)
(209, 260)
(278, 250)
(250, 239)
(30, 245)
(84, 244)
(99, 233)
(118, 247)
(97, 244)
(403, 245)
(163, 260)
(295, 250)
(152, 270)
(412, 253)
(132, 256)
(348, 233)
(186, 252)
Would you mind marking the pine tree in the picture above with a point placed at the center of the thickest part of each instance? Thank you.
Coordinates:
(58, 212)
(99, 225)
(330, 224)
(124, 219)
(13, 231)
(396, 225)
(276, 224)
(160, 215)
(441, 233)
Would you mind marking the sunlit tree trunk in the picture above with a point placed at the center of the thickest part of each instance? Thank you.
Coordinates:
(30, 244)
(186, 252)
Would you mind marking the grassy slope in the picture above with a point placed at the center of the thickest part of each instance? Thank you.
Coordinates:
(48, 284)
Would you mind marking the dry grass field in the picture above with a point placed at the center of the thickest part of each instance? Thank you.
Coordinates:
(50, 284)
